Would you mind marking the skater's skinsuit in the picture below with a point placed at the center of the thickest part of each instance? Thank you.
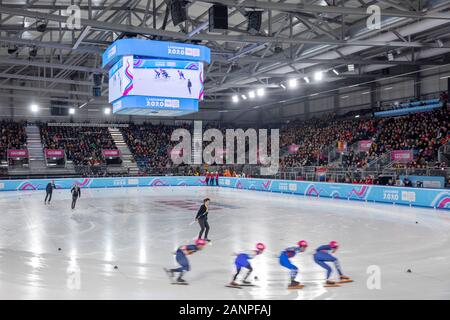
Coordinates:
(241, 261)
(76, 193)
(49, 191)
(182, 259)
(322, 255)
(202, 217)
(285, 262)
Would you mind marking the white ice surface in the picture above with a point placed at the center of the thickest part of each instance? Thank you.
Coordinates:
(137, 229)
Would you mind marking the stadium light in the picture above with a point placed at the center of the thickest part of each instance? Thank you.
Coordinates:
(306, 79)
(251, 94)
(318, 76)
(390, 56)
(34, 108)
(351, 67)
(283, 86)
(107, 111)
(235, 99)
(292, 83)
(336, 72)
(71, 111)
(244, 97)
(260, 92)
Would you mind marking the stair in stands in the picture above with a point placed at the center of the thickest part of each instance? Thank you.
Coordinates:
(125, 153)
(35, 149)
(197, 141)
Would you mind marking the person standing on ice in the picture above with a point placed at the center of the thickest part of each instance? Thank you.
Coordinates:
(182, 260)
(284, 260)
(242, 261)
(322, 256)
(217, 178)
(189, 86)
(76, 193)
(202, 218)
(49, 191)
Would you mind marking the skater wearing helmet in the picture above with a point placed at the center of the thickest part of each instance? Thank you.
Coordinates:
(285, 262)
(202, 218)
(182, 260)
(241, 261)
(322, 256)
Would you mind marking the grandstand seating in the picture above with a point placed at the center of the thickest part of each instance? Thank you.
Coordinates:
(13, 136)
(83, 145)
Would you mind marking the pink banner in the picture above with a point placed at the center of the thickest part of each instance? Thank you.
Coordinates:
(111, 153)
(54, 153)
(293, 148)
(402, 155)
(364, 145)
(13, 153)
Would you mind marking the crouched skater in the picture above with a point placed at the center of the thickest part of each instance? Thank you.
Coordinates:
(285, 261)
(181, 257)
(242, 261)
(322, 256)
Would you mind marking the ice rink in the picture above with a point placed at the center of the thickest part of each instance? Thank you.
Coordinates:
(137, 229)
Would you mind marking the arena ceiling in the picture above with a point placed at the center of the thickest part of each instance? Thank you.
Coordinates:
(296, 39)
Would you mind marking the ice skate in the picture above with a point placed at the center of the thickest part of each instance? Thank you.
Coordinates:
(345, 279)
(180, 281)
(331, 283)
(234, 284)
(295, 285)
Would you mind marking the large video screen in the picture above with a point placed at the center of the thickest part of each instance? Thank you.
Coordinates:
(156, 78)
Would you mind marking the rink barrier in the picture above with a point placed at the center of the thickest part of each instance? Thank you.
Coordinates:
(116, 182)
(431, 198)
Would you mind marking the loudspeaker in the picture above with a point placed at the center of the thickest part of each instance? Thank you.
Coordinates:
(178, 11)
(218, 17)
(98, 79)
(41, 25)
(96, 92)
(254, 21)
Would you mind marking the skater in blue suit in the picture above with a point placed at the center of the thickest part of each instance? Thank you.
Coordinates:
(182, 260)
(242, 261)
(322, 256)
(285, 262)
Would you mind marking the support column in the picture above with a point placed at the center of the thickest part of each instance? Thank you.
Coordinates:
(11, 100)
(374, 96)
(307, 110)
(336, 102)
(417, 86)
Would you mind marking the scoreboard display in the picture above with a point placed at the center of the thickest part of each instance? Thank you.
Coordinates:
(147, 82)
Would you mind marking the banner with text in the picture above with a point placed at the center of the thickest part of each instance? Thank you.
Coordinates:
(402, 155)
(17, 153)
(364, 145)
(54, 153)
(111, 153)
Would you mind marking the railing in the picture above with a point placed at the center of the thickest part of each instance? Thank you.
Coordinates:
(380, 162)
(291, 173)
(444, 154)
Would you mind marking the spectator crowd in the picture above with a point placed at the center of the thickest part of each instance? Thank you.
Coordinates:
(82, 145)
(13, 136)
